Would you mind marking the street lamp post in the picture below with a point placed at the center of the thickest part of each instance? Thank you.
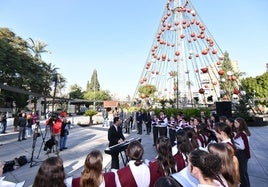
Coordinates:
(254, 97)
(94, 103)
(55, 79)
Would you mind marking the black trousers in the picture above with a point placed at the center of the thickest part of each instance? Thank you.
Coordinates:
(155, 134)
(115, 161)
(162, 131)
(243, 167)
(139, 127)
(127, 127)
(148, 127)
(172, 136)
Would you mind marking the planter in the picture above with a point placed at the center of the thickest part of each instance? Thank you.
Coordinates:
(84, 124)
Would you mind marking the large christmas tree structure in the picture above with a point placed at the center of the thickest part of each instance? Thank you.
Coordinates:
(184, 63)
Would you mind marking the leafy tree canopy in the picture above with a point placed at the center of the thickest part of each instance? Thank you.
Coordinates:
(97, 96)
(76, 92)
(94, 84)
(257, 87)
(20, 68)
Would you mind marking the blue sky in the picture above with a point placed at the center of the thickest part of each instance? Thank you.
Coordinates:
(115, 37)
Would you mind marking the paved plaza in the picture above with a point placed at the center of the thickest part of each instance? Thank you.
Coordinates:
(83, 139)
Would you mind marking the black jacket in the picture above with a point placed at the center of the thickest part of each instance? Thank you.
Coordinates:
(114, 136)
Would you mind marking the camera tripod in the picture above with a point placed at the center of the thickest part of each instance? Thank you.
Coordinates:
(37, 132)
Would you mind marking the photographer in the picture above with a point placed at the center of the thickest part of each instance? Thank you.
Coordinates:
(64, 134)
(56, 130)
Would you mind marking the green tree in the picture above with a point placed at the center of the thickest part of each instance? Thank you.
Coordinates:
(147, 90)
(102, 95)
(17, 66)
(90, 113)
(75, 92)
(257, 88)
(37, 47)
(93, 91)
(94, 84)
(229, 83)
(22, 68)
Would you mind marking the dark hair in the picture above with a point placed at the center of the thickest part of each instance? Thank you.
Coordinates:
(223, 118)
(220, 126)
(242, 126)
(192, 137)
(92, 170)
(231, 120)
(135, 152)
(165, 157)
(208, 164)
(166, 182)
(226, 154)
(116, 119)
(183, 143)
(50, 173)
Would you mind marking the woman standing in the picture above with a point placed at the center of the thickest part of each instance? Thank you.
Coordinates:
(243, 150)
(133, 175)
(92, 175)
(164, 164)
(229, 163)
(205, 167)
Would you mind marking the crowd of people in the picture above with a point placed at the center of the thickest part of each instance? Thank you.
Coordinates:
(213, 150)
(220, 140)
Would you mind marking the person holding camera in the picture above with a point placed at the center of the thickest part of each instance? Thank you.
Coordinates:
(56, 130)
(64, 134)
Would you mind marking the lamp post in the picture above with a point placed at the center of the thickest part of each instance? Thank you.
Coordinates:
(254, 97)
(55, 79)
(94, 104)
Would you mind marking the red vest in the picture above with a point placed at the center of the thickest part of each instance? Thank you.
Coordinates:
(156, 171)
(109, 179)
(180, 161)
(126, 177)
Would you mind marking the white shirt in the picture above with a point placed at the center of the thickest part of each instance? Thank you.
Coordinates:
(164, 123)
(138, 173)
(218, 184)
(239, 143)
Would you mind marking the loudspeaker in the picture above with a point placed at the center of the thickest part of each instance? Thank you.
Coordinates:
(224, 108)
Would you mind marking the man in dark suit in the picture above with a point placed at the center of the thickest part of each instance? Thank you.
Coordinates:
(115, 136)
(139, 120)
(148, 121)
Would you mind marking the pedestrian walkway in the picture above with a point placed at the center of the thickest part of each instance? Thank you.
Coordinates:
(83, 139)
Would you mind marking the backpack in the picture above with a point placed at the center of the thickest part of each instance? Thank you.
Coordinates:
(49, 144)
(9, 166)
(22, 160)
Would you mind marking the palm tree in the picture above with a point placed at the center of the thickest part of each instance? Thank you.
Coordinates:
(37, 47)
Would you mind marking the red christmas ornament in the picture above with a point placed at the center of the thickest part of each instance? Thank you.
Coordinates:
(221, 72)
(177, 53)
(204, 70)
(201, 91)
